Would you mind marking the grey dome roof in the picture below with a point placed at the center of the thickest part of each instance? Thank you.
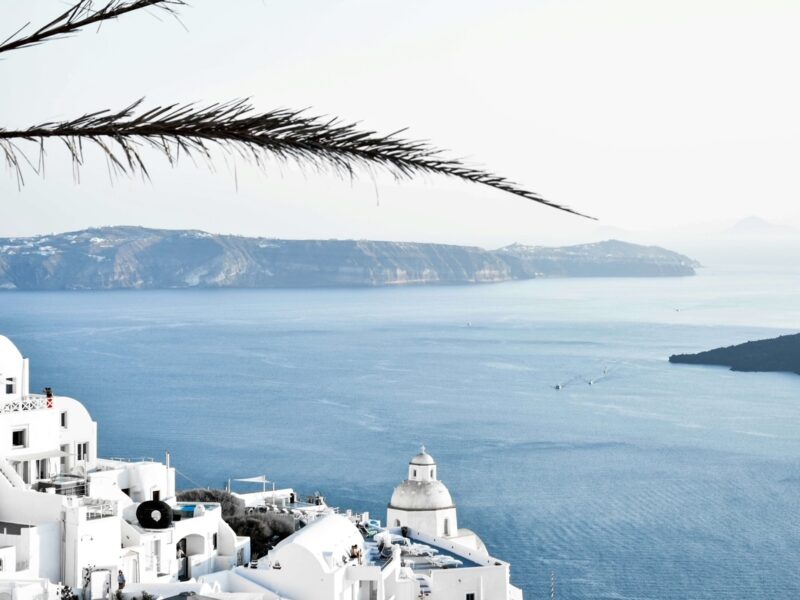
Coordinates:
(421, 495)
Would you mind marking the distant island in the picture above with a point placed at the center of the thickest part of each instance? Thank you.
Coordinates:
(139, 258)
(781, 354)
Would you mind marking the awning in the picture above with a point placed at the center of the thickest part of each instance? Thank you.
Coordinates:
(35, 455)
(258, 479)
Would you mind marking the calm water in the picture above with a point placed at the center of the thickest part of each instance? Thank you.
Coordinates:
(658, 481)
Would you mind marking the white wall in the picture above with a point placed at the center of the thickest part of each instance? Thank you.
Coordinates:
(429, 521)
(80, 428)
(12, 365)
(97, 542)
(8, 554)
(32, 508)
(487, 583)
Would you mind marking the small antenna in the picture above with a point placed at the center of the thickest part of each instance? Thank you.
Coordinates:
(553, 595)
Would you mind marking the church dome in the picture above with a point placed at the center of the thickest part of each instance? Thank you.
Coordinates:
(422, 459)
(421, 495)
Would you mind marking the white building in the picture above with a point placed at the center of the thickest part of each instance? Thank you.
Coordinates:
(424, 503)
(421, 555)
(67, 516)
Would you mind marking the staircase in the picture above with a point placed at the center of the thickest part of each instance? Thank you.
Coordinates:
(9, 478)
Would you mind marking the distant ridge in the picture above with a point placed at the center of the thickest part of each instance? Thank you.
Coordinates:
(781, 354)
(140, 258)
(759, 228)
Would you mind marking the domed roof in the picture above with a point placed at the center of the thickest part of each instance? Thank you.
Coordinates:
(10, 356)
(423, 458)
(421, 495)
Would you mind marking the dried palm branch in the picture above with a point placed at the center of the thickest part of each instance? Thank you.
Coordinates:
(80, 15)
(237, 129)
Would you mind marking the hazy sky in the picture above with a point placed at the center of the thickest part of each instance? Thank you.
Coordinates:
(645, 114)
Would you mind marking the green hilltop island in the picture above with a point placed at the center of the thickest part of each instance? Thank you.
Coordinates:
(74, 525)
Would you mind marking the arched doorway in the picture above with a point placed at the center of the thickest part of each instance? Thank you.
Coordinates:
(191, 545)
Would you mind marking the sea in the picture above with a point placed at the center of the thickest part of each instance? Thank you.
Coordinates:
(637, 479)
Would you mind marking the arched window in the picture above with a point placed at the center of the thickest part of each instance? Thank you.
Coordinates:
(431, 473)
(415, 472)
(447, 527)
(397, 522)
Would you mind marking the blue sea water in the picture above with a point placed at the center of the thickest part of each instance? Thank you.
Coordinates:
(657, 481)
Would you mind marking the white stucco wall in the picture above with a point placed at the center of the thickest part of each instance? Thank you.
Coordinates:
(24, 506)
(94, 542)
(431, 522)
(13, 366)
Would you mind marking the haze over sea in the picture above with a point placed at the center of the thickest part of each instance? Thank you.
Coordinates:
(657, 481)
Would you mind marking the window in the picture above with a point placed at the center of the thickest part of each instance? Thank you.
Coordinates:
(431, 473)
(19, 438)
(214, 541)
(10, 385)
(64, 419)
(83, 451)
(64, 457)
(415, 472)
(470, 596)
(447, 527)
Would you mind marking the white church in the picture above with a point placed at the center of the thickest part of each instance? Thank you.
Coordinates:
(423, 503)
(69, 518)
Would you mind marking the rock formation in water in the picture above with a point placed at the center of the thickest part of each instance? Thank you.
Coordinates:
(775, 354)
(139, 258)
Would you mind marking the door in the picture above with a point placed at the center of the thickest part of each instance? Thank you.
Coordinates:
(130, 568)
(183, 560)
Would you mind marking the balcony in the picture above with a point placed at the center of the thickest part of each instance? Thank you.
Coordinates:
(29, 402)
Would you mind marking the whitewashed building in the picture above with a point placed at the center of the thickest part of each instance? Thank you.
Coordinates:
(424, 503)
(421, 554)
(68, 516)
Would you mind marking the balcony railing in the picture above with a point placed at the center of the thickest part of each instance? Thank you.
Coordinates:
(29, 402)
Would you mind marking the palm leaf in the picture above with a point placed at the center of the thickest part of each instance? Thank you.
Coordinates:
(237, 129)
(80, 15)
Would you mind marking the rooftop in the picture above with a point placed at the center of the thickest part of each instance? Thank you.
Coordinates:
(414, 553)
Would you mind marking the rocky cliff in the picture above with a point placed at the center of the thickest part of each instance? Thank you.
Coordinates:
(135, 257)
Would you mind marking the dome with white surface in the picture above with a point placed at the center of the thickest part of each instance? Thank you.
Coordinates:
(423, 458)
(419, 495)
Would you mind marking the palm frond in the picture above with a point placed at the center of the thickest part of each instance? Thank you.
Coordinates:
(237, 129)
(80, 15)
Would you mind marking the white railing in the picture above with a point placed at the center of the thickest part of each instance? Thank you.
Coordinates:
(29, 402)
